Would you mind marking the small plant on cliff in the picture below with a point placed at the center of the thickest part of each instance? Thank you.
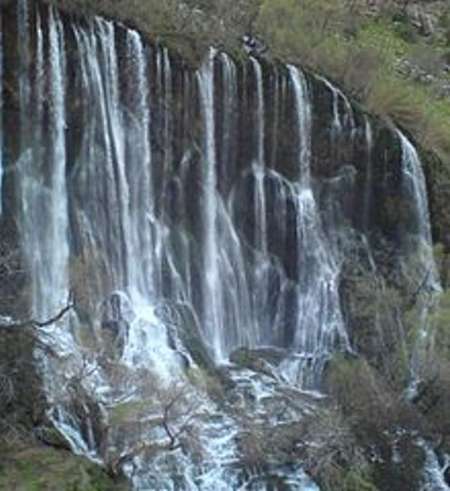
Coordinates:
(172, 409)
(334, 459)
(363, 53)
(380, 419)
(188, 27)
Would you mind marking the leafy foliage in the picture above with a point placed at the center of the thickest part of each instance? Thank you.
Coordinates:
(336, 460)
(337, 38)
(188, 27)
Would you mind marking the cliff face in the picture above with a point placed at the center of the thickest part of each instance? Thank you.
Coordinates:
(355, 160)
(192, 213)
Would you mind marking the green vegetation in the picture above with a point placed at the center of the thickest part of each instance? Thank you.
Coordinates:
(396, 345)
(129, 411)
(360, 49)
(363, 54)
(188, 27)
(374, 414)
(370, 392)
(337, 460)
(36, 468)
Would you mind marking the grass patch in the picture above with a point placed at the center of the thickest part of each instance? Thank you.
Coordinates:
(363, 55)
(333, 37)
(33, 468)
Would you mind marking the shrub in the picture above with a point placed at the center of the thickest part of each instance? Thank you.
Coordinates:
(188, 27)
(334, 459)
(445, 24)
(392, 98)
(296, 29)
(334, 37)
(435, 128)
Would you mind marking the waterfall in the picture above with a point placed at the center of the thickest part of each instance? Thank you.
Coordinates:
(369, 176)
(417, 262)
(340, 123)
(44, 194)
(120, 236)
(435, 469)
(59, 247)
(139, 167)
(212, 295)
(259, 113)
(1, 112)
(261, 280)
(415, 188)
(259, 126)
(229, 125)
(418, 243)
(303, 107)
(226, 308)
(275, 83)
(24, 57)
(149, 191)
(166, 77)
(320, 327)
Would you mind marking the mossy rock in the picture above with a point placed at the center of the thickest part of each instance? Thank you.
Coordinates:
(36, 468)
(262, 360)
(189, 333)
(131, 411)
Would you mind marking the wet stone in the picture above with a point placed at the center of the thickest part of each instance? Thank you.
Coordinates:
(116, 317)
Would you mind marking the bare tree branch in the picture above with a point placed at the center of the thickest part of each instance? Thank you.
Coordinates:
(36, 324)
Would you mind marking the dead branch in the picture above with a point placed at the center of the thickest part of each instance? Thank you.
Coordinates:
(36, 324)
(85, 372)
(178, 395)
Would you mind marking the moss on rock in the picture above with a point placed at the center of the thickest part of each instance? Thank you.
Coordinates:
(39, 468)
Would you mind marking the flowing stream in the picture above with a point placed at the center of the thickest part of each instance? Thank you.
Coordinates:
(148, 191)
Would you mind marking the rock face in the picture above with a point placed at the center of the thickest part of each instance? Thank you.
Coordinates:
(192, 213)
(116, 318)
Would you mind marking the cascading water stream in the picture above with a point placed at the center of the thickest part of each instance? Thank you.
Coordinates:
(166, 77)
(230, 97)
(340, 123)
(135, 194)
(418, 264)
(415, 185)
(435, 470)
(116, 215)
(139, 167)
(1, 113)
(44, 202)
(44, 194)
(261, 280)
(320, 328)
(212, 295)
(259, 164)
(58, 281)
(369, 175)
(24, 57)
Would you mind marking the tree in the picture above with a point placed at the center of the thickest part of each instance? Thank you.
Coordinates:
(7, 323)
(175, 408)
